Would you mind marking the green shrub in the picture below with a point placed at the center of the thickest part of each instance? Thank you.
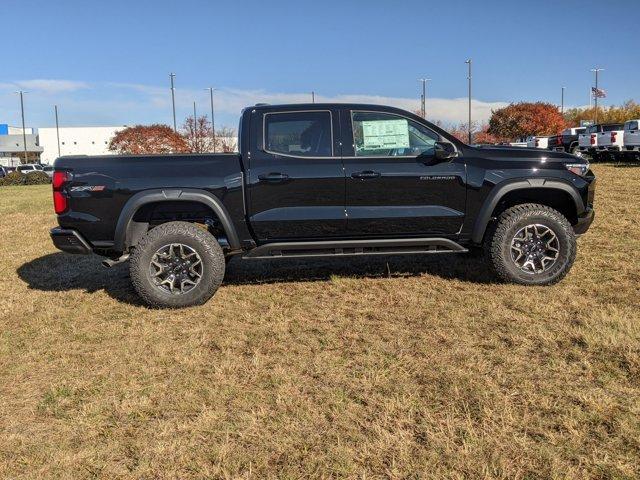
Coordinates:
(36, 178)
(13, 178)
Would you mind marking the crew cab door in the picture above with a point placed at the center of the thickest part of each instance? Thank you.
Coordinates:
(395, 186)
(296, 186)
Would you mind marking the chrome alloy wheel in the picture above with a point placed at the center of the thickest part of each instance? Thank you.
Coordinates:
(535, 248)
(176, 268)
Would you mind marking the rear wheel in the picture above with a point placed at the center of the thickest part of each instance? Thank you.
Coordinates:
(176, 265)
(531, 244)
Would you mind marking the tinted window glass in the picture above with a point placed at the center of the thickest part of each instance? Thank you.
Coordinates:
(383, 134)
(610, 128)
(303, 134)
(631, 126)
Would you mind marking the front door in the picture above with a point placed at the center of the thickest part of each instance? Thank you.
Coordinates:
(394, 185)
(296, 180)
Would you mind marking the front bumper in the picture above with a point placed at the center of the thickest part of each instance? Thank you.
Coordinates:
(69, 241)
(584, 222)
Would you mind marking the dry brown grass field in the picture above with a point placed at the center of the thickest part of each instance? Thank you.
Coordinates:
(398, 367)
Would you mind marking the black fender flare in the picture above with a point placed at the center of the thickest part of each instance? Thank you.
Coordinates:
(500, 190)
(171, 194)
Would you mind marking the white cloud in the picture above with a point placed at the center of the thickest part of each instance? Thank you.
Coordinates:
(51, 86)
(231, 101)
(82, 103)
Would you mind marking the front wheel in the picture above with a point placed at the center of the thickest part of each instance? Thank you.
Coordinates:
(177, 265)
(531, 244)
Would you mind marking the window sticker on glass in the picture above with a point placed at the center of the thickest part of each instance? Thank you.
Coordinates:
(385, 134)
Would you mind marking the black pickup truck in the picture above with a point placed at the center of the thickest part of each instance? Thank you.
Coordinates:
(566, 141)
(322, 180)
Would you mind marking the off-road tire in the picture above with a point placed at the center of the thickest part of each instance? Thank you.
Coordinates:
(206, 246)
(500, 235)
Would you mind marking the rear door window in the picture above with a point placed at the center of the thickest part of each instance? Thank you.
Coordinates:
(299, 134)
(611, 128)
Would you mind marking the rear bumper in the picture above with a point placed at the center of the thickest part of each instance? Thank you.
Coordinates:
(69, 241)
(584, 222)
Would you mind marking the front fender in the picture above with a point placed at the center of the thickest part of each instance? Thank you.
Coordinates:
(500, 190)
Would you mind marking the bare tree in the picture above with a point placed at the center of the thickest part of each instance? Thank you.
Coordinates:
(226, 140)
(197, 134)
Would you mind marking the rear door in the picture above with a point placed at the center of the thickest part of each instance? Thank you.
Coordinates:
(394, 186)
(296, 183)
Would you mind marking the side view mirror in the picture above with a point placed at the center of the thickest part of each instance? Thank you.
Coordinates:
(445, 151)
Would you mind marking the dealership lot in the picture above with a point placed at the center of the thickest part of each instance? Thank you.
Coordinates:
(376, 367)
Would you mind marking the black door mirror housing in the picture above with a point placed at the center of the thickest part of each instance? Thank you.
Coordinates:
(445, 151)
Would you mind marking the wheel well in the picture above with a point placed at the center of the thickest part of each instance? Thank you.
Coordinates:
(557, 199)
(153, 214)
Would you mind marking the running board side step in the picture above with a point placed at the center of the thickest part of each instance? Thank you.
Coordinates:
(355, 247)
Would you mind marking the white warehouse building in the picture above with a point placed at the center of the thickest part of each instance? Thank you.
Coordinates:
(75, 141)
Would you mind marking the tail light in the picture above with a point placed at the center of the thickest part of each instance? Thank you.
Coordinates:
(59, 198)
(613, 137)
(593, 139)
(559, 139)
(537, 143)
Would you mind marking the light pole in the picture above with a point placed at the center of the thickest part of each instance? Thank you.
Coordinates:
(24, 132)
(55, 107)
(173, 100)
(595, 93)
(313, 97)
(423, 105)
(562, 101)
(213, 124)
(468, 62)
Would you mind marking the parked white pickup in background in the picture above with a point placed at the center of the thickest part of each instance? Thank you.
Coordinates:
(632, 136)
(538, 142)
(588, 141)
(611, 138)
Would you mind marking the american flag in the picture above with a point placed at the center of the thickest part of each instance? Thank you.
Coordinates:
(598, 92)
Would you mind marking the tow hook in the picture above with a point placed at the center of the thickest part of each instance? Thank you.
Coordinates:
(110, 262)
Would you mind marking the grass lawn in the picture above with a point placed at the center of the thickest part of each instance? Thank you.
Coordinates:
(399, 367)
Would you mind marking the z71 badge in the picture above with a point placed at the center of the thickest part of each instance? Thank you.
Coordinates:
(88, 188)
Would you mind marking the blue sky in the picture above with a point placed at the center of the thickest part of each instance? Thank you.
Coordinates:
(107, 62)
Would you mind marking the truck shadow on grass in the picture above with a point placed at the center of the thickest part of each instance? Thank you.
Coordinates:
(59, 272)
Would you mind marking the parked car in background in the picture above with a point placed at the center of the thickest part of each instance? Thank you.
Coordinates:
(631, 136)
(567, 141)
(3, 172)
(537, 142)
(611, 138)
(48, 169)
(29, 168)
(588, 140)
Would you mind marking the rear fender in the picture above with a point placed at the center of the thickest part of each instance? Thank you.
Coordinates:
(127, 230)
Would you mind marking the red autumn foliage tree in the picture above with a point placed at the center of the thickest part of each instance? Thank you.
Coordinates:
(143, 139)
(522, 119)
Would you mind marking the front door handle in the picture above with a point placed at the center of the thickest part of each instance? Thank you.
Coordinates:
(366, 174)
(273, 177)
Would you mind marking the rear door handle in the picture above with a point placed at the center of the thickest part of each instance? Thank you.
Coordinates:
(366, 174)
(273, 177)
